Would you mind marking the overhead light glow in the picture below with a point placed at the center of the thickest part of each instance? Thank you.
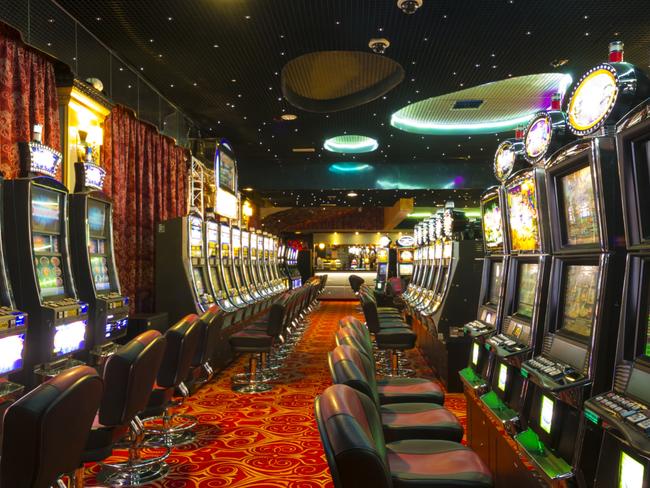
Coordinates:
(349, 167)
(351, 144)
(288, 117)
(352, 194)
(432, 127)
(419, 215)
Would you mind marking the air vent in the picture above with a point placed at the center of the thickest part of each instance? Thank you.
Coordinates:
(467, 104)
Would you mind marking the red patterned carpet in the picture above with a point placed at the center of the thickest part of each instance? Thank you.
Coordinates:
(267, 440)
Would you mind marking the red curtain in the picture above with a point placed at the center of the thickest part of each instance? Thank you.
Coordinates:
(27, 97)
(147, 180)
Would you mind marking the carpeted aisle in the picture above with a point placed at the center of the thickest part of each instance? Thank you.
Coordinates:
(269, 439)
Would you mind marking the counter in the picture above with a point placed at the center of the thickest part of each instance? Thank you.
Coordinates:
(338, 286)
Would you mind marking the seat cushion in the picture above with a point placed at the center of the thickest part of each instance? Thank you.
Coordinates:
(419, 421)
(409, 390)
(396, 338)
(419, 463)
(251, 340)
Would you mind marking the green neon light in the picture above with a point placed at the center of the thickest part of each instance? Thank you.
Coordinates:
(351, 144)
(349, 167)
(431, 127)
(592, 416)
(419, 215)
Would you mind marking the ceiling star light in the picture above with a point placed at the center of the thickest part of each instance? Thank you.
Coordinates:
(351, 144)
(501, 110)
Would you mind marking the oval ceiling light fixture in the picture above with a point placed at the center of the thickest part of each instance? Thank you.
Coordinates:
(308, 81)
(349, 167)
(351, 144)
(288, 117)
(503, 106)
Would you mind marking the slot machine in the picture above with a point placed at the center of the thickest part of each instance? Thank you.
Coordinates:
(277, 249)
(38, 259)
(246, 266)
(414, 298)
(587, 238)
(254, 265)
(215, 272)
(182, 277)
(13, 326)
(93, 261)
(287, 265)
(524, 307)
(266, 261)
(237, 266)
(277, 284)
(282, 265)
(495, 265)
(228, 270)
(405, 250)
(383, 263)
(296, 277)
(261, 270)
(623, 412)
(417, 262)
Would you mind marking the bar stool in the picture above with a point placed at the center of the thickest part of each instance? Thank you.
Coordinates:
(57, 413)
(129, 376)
(201, 370)
(163, 427)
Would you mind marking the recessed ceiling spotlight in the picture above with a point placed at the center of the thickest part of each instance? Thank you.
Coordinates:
(379, 45)
(288, 117)
(409, 7)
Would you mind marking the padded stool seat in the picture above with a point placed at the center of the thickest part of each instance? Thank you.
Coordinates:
(444, 464)
(408, 390)
(251, 340)
(396, 338)
(419, 421)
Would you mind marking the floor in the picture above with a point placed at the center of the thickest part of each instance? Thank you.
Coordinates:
(267, 440)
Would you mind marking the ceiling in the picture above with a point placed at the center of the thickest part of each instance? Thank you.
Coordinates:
(221, 60)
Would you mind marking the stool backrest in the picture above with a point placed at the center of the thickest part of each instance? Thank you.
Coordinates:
(347, 368)
(356, 282)
(182, 341)
(369, 308)
(209, 325)
(347, 337)
(46, 430)
(352, 437)
(129, 376)
(358, 327)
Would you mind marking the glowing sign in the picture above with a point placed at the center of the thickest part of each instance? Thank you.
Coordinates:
(593, 100)
(538, 136)
(227, 205)
(44, 160)
(504, 160)
(405, 241)
(94, 176)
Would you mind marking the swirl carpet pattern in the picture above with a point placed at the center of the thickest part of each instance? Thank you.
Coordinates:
(266, 440)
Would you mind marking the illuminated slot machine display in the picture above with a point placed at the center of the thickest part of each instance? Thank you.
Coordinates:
(237, 265)
(524, 310)
(587, 268)
(287, 264)
(266, 262)
(228, 270)
(417, 262)
(624, 410)
(429, 271)
(246, 265)
(13, 326)
(495, 265)
(296, 278)
(383, 263)
(182, 279)
(452, 298)
(93, 261)
(254, 265)
(279, 273)
(261, 270)
(282, 264)
(405, 249)
(38, 259)
(273, 262)
(215, 274)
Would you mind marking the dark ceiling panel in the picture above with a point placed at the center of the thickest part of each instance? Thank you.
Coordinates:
(224, 58)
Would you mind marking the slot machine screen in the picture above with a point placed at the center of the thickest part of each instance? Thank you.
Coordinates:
(475, 353)
(99, 268)
(522, 208)
(492, 224)
(69, 338)
(406, 269)
(496, 277)
(546, 414)
(198, 281)
(579, 208)
(630, 472)
(11, 353)
(382, 269)
(196, 238)
(526, 289)
(46, 210)
(579, 299)
(502, 381)
(641, 162)
(97, 212)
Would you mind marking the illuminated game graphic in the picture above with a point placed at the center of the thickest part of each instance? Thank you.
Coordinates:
(503, 377)
(579, 299)
(196, 238)
(496, 277)
(99, 268)
(97, 218)
(538, 137)
(592, 99)
(579, 207)
(44, 160)
(94, 176)
(522, 205)
(504, 160)
(46, 226)
(11, 353)
(492, 225)
(69, 337)
(226, 171)
(475, 354)
(546, 414)
(630, 473)
(45, 210)
(526, 293)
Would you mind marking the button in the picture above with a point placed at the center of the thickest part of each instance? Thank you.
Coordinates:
(637, 417)
(645, 425)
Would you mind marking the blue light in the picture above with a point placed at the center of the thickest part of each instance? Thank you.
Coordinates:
(349, 167)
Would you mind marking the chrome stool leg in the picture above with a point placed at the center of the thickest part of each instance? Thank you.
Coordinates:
(256, 381)
(171, 429)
